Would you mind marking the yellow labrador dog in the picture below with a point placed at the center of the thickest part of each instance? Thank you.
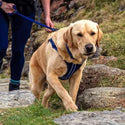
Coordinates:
(63, 56)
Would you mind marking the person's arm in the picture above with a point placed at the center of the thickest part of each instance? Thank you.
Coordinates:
(46, 8)
(7, 7)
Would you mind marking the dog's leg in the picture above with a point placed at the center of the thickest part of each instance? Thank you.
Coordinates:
(61, 92)
(37, 80)
(74, 84)
(49, 92)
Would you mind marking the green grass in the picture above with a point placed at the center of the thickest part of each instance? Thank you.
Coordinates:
(120, 63)
(116, 81)
(32, 115)
(35, 114)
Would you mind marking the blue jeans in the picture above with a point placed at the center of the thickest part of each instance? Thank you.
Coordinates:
(21, 29)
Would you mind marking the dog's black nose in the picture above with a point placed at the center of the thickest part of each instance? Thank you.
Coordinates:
(89, 48)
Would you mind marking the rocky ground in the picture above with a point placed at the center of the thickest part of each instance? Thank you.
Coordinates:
(97, 97)
(20, 98)
(115, 117)
(94, 97)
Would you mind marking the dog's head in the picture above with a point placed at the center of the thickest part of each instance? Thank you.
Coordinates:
(85, 35)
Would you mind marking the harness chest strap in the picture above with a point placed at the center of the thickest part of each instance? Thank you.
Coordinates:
(71, 68)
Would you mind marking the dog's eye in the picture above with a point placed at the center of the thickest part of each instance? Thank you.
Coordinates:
(92, 33)
(80, 34)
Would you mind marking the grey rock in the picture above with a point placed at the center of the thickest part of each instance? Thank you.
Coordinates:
(94, 75)
(102, 97)
(19, 98)
(106, 69)
(115, 117)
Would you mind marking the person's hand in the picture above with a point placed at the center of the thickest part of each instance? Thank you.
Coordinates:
(48, 23)
(7, 7)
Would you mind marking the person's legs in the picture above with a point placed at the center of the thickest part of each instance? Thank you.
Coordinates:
(20, 33)
(4, 24)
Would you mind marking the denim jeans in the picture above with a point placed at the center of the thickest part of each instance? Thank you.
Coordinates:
(21, 29)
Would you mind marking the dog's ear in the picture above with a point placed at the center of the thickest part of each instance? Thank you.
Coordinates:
(99, 37)
(67, 36)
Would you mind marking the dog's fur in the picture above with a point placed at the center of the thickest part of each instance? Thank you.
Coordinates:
(48, 65)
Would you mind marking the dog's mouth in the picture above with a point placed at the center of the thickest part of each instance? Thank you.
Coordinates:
(88, 54)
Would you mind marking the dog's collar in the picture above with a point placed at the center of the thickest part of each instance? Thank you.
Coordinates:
(54, 47)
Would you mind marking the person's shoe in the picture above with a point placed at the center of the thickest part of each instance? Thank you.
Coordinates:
(13, 87)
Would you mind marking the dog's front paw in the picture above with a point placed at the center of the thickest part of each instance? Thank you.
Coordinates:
(71, 106)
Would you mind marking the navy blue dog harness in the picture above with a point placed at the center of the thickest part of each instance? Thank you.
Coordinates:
(71, 68)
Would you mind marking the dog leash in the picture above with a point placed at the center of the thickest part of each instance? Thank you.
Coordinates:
(31, 20)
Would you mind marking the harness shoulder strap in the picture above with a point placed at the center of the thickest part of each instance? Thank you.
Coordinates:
(53, 44)
(69, 52)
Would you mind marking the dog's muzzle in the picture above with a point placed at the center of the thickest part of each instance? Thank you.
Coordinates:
(89, 49)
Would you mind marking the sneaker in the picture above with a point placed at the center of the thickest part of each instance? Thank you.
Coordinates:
(13, 87)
